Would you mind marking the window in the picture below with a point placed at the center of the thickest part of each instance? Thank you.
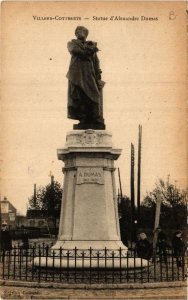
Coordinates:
(32, 222)
(41, 223)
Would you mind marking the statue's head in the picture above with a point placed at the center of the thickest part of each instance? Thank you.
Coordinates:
(81, 32)
(143, 236)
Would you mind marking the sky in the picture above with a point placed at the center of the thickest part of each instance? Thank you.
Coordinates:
(144, 67)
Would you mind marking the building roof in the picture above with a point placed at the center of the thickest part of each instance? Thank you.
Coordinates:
(36, 214)
(11, 207)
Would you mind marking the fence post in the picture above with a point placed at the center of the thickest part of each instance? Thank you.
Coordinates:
(120, 258)
(68, 269)
(14, 262)
(43, 248)
(33, 256)
(75, 265)
(9, 255)
(53, 264)
(98, 275)
(172, 265)
(26, 263)
(39, 273)
(46, 271)
(183, 267)
(60, 257)
(3, 261)
(90, 261)
(83, 256)
(113, 269)
(161, 270)
(127, 258)
(141, 270)
(166, 264)
(148, 271)
(105, 262)
(134, 266)
(20, 262)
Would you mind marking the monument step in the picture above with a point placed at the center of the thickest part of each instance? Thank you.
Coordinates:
(101, 263)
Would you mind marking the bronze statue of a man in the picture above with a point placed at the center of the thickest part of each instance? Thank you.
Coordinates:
(85, 84)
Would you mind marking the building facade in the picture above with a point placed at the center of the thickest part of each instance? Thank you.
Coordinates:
(8, 213)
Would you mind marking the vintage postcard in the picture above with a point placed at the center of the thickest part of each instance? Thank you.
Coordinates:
(137, 51)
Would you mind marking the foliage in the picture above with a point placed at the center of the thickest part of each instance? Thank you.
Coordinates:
(124, 209)
(169, 193)
(173, 210)
(48, 199)
(173, 204)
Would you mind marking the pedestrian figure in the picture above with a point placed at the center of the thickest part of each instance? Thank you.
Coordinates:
(162, 245)
(143, 247)
(25, 239)
(124, 231)
(178, 248)
(6, 240)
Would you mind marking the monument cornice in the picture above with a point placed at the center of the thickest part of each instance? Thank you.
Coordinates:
(94, 152)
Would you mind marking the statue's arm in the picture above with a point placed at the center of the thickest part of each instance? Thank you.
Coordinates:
(75, 49)
(98, 70)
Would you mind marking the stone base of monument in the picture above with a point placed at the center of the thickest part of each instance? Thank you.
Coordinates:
(89, 235)
(89, 223)
(98, 263)
(86, 245)
(89, 213)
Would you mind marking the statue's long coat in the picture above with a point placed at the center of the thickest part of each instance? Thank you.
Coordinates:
(83, 74)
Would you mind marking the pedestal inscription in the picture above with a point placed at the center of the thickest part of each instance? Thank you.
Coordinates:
(90, 175)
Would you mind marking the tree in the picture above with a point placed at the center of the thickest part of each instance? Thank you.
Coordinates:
(147, 213)
(173, 205)
(124, 209)
(48, 199)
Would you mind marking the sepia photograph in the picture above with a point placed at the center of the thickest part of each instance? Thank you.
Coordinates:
(93, 156)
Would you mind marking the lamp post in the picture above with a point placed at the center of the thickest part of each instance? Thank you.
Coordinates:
(135, 229)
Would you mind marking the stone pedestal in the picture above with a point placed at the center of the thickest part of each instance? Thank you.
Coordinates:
(89, 216)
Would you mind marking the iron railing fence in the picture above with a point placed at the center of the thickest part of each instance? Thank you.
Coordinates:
(36, 246)
(42, 264)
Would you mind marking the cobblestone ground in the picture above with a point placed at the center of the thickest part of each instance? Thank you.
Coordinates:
(11, 292)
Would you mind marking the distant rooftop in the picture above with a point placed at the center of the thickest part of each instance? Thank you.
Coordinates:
(11, 207)
(36, 214)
